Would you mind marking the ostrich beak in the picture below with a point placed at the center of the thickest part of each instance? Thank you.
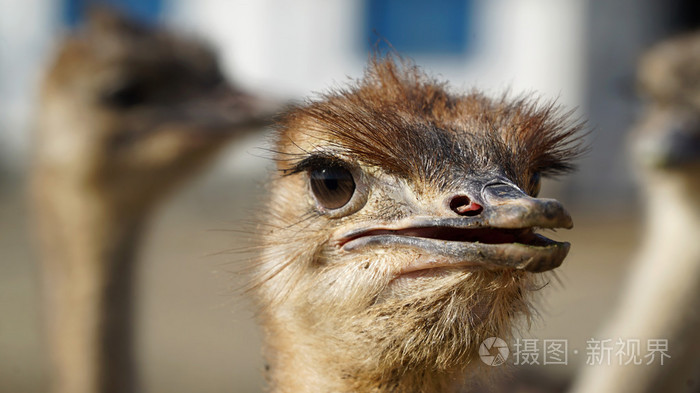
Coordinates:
(669, 139)
(509, 207)
(227, 112)
(502, 235)
(675, 149)
(206, 120)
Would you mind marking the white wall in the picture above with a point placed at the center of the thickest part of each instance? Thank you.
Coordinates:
(305, 45)
(287, 48)
(26, 34)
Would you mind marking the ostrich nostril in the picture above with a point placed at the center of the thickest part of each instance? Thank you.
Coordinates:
(462, 205)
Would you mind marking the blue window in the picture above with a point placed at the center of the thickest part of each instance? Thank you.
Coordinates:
(144, 10)
(419, 26)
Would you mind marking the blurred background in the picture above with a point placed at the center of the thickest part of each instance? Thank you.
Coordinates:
(195, 331)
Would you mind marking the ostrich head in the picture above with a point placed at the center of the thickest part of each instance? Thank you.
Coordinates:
(128, 111)
(400, 231)
(668, 136)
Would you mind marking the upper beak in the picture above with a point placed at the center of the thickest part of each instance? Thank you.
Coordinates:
(499, 236)
(204, 120)
(509, 207)
(230, 112)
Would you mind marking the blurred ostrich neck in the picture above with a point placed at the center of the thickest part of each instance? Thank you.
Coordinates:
(672, 225)
(661, 299)
(89, 262)
(673, 222)
(673, 210)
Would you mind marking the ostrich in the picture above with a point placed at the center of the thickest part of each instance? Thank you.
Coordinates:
(400, 231)
(127, 113)
(662, 298)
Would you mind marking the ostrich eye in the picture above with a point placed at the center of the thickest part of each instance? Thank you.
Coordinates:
(332, 186)
(124, 95)
(535, 184)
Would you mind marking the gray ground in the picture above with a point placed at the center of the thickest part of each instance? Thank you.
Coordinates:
(197, 333)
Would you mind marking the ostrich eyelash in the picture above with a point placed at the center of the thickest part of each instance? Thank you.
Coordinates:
(316, 160)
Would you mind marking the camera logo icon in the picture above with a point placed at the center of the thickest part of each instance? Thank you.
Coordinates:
(494, 351)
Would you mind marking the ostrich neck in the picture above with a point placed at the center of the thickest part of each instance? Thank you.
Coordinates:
(305, 363)
(89, 251)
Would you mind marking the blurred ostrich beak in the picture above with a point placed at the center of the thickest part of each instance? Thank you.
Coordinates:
(670, 140)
